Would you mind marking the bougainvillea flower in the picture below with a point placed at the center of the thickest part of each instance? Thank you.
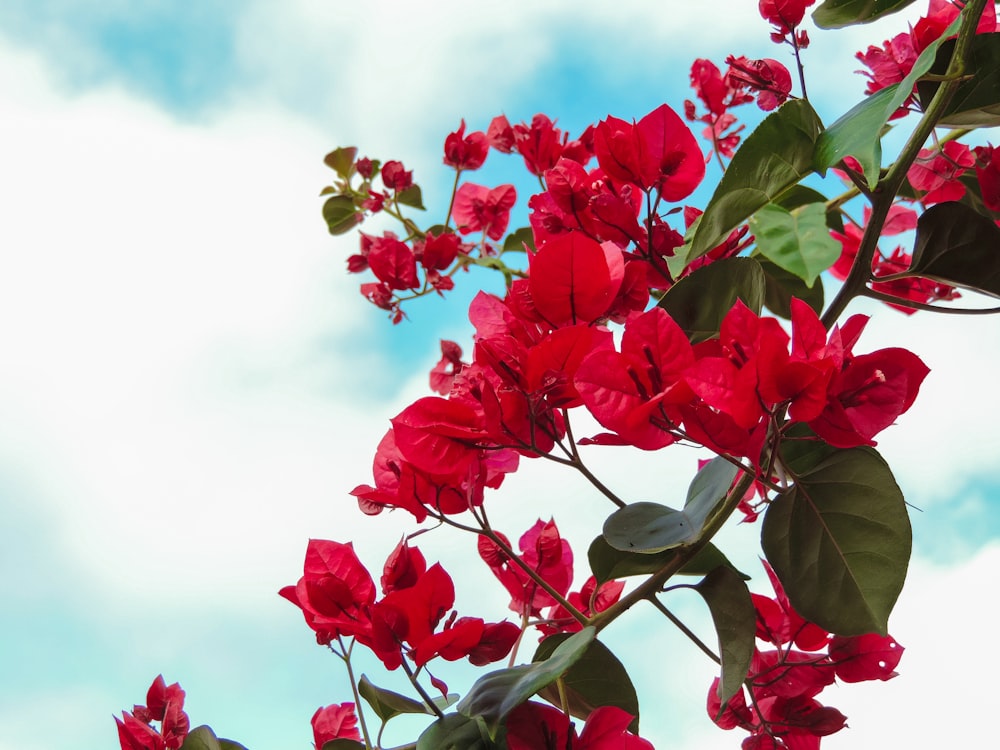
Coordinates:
(889, 64)
(574, 279)
(632, 392)
(768, 77)
(403, 568)
(784, 15)
(939, 16)
(936, 172)
(465, 152)
(438, 435)
(589, 600)
(334, 592)
(865, 657)
(658, 152)
(868, 395)
(544, 551)
(988, 175)
(437, 252)
(396, 177)
(334, 722)
(478, 208)
(535, 726)
(393, 262)
(736, 713)
(443, 373)
(165, 704)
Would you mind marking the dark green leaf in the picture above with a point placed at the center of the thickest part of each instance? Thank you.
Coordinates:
(456, 732)
(976, 104)
(411, 197)
(516, 241)
(343, 744)
(341, 160)
(797, 240)
(650, 528)
(774, 157)
(735, 620)
(498, 693)
(597, 679)
(859, 132)
(836, 14)
(386, 703)
(230, 745)
(700, 301)
(957, 246)
(781, 286)
(340, 214)
(201, 738)
(839, 537)
(608, 563)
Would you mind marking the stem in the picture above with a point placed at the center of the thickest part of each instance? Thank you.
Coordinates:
(451, 203)
(684, 629)
(420, 689)
(899, 301)
(648, 588)
(889, 185)
(346, 656)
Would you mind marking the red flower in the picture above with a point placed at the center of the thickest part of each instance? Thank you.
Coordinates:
(865, 657)
(395, 177)
(936, 172)
(657, 152)
(784, 15)
(165, 704)
(479, 208)
(334, 722)
(768, 77)
(535, 726)
(988, 175)
(465, 152)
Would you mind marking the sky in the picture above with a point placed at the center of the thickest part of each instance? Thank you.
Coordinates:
(191, 383)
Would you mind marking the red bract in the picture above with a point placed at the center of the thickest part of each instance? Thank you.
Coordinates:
(574, 279)
(658, 152)
(395, 177)
(443, 373)
(590, 600)
(865, 657)
(868, 395)
(768, 77)
(534, 726)
(335, 591)
(165, 704)
(936, 172)
(784, 15)
(479, 208)
(889, 64)
(541, 144)
(465, 152)
(635, 393)
(337, 721)
(393, 262)
(543, 551)
(438, 436)
(988, 175)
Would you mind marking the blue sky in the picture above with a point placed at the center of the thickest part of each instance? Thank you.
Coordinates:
(192, 384)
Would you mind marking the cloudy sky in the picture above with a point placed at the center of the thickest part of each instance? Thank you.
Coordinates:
(191, 383)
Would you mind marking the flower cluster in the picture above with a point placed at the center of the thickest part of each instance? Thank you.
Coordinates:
(338, 599)
(799, 660)
(164, 704)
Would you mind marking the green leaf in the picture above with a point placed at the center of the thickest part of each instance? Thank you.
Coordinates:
(341, 160)
(203, 738)
(735, 619)
(386, 703)
(801, 195)
(774, 157)
(343, 744)
(859, 132)
(649, 527)
(597, 679)
(340, 214)
(797, 240)
(411, 197)
(838, 538)
(517, 240)
(836, 14)
(976, 104)
(781, 286)
(957, 246)
(608, 563)
(498, 693)
(700, 301)
(456, 732)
